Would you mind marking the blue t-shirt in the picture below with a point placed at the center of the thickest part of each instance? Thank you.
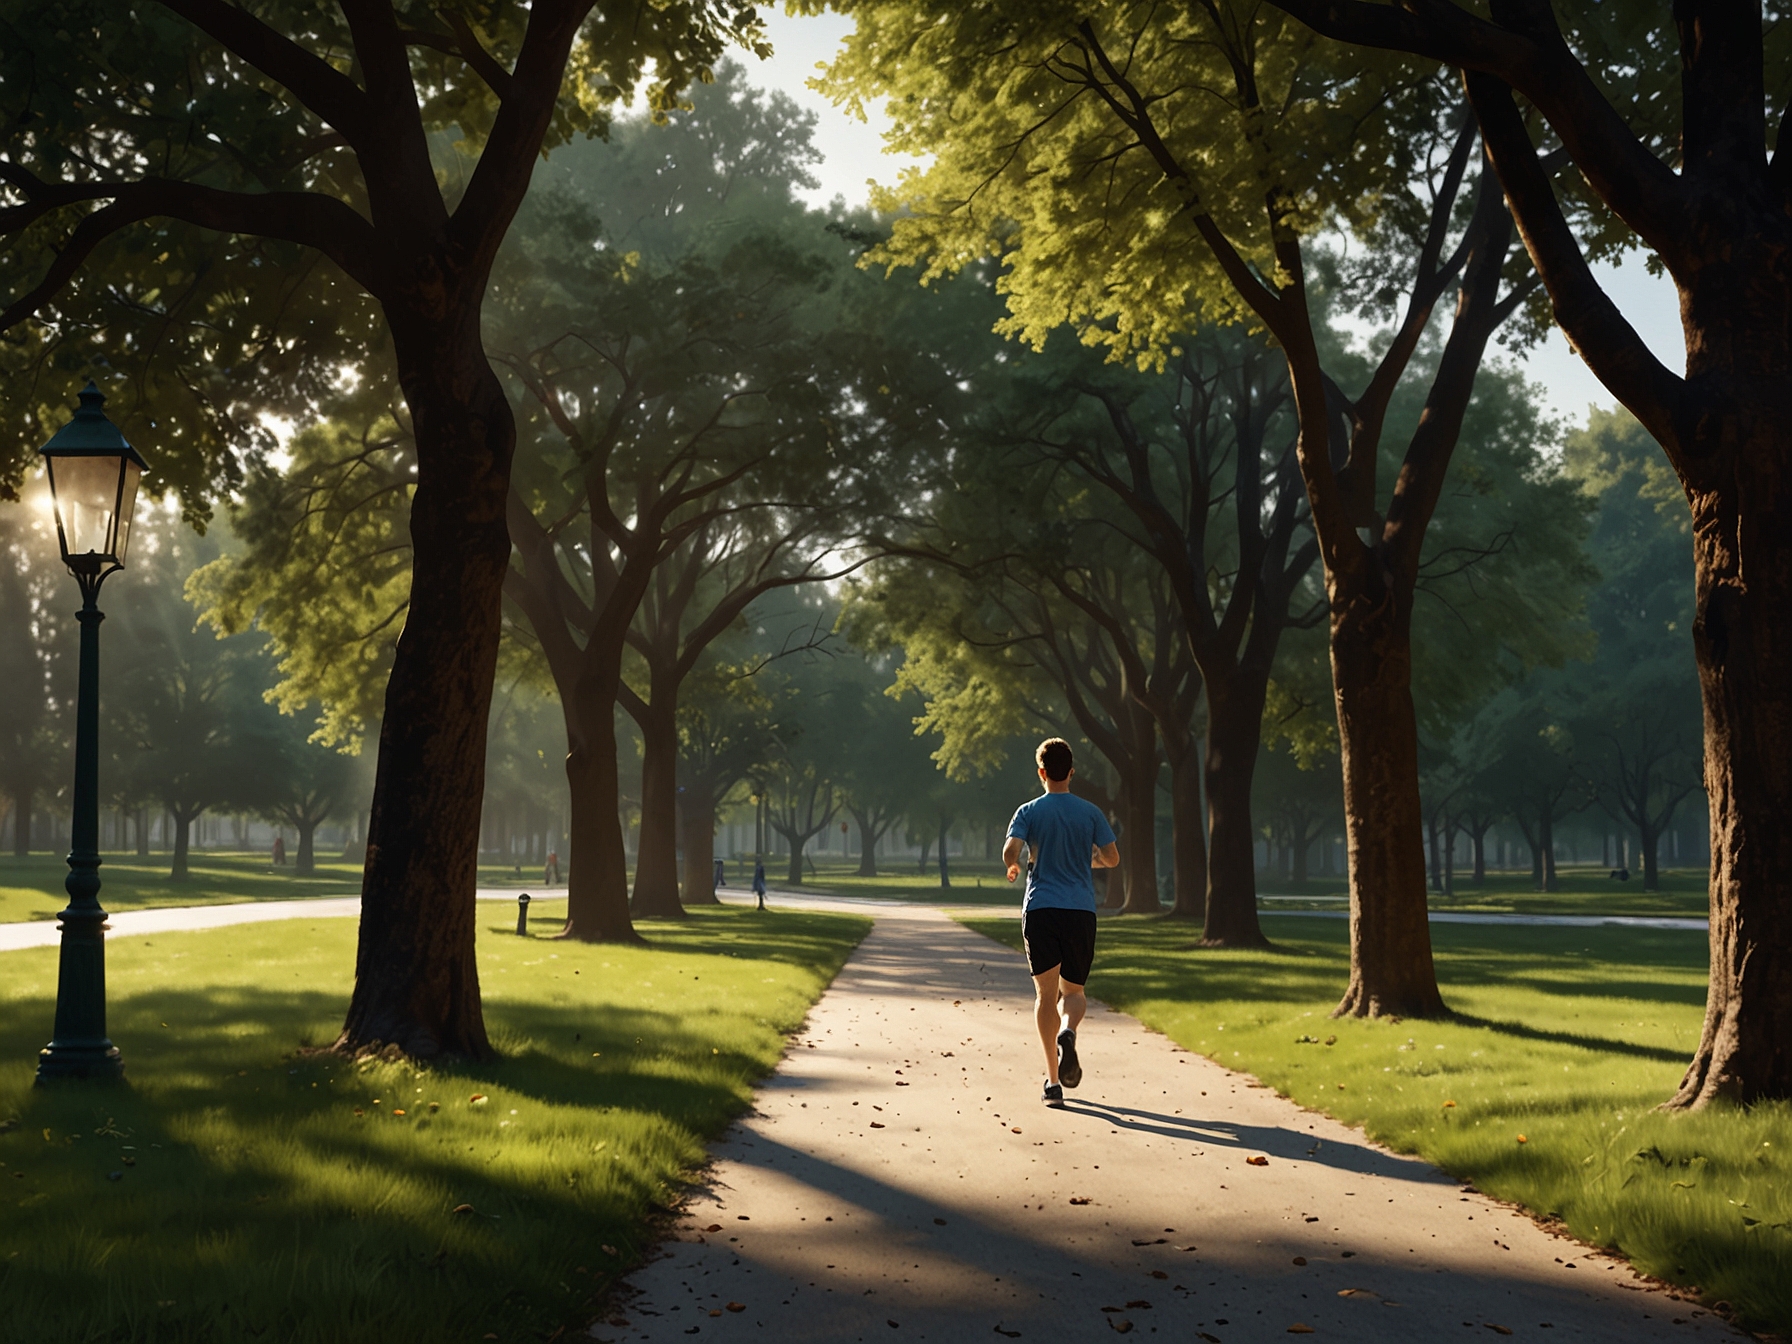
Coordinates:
(1061, 830)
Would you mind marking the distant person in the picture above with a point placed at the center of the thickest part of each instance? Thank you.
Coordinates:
(721, 876)
(279, 850)
(1069, 838)
(551, 872)
(759, 881)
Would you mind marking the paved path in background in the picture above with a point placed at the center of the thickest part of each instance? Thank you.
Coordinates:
(177, 918)
(899, 1179)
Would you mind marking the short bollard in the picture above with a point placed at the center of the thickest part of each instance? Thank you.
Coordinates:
(522, 915)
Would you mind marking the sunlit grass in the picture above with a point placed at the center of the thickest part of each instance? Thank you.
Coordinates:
(1568, 1037)
(234, 1188)
(1585, 890)
(31, 888)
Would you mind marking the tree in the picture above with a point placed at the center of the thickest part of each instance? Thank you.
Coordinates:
(288, 149)
(889, 766)
(726, 732)
(307, 785)
(1093, 150)
(1300, 801)
(1718, 227)
(33, 658)
(1641, 721)
(193, 732)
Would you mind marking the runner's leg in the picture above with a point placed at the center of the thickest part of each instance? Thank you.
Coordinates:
(1074, 1003)
(1045, 1013)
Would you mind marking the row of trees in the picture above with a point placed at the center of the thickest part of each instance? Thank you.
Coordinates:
(1140, 175)
(186, 729)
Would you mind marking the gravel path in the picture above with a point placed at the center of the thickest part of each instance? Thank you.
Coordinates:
(900, 1179)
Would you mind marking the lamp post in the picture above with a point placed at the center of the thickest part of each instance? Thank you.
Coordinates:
(93, 485)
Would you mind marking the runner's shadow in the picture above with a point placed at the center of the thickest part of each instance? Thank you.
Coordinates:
(1286, 1144)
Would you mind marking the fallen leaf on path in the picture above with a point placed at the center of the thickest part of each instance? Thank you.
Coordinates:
(1159, 1274)
(892, 1325)
(1011, 1334)
(1015, 1128)
(737, 1306)
(1211, 1339)
(713, 1227)
(1119, 1325)
(1356, 1292)
(1298, 1329)
(1300, 1259)
(1079, 1199)
(716, 1312)
(1139, 1304)
(1258, 1161)
(1497, 1329)
(877, 1124)
(939, 1222)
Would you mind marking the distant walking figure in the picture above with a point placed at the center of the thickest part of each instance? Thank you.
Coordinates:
(759, 881)
(721, 874)
(550, 873)
(279, 850)
(1069, 838)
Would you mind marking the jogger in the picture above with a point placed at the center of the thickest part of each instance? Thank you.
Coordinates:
(1068, 837)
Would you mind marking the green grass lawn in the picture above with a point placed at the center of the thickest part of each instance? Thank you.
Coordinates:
(234, 1189)
(974, 881)
(1568, 1037)
(1584, 891)
(31, 888)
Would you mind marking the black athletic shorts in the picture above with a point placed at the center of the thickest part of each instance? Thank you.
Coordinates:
(1061, 938)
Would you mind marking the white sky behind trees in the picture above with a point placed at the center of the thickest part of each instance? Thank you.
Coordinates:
(852, 152)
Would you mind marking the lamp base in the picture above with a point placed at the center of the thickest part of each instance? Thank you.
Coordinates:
(98, 1061)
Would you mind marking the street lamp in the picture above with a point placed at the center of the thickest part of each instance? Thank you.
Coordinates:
(93, 485)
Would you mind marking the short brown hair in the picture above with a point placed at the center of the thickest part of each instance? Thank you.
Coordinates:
(1054, 758)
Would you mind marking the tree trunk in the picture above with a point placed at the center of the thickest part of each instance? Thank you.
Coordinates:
(926, 849)
(1480, 839)
(1234, 734)
(1449, 851)
(143, 832)
(1648, 849)
(1391, 971)
(305, 862)
(1437, 873)
(1744, 647)
(416, 976)
(795, 874)
(1188, 837)
(597, 875)
(1546, 851)
(867, 843)
(1138, 848)
(697, 814)
(656, 856)
(945, 869)
(21, 820)
(183, 825)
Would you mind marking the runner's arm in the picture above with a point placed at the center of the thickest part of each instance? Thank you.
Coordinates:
(1106, 856)
(1011, 855)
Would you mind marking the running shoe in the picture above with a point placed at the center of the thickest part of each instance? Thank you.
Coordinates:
(1052, 1095)
(1069, 1070)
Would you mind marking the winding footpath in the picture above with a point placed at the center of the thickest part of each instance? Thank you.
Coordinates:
(899, 1179)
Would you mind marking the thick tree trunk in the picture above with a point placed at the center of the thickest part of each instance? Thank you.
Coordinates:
(305, 862)
(183, 825)
(1188, 837)
(21, 820)
(1234, 734)
(1138, 868)
(656, 856)
(1391, 971)
(867, 843)
(1480, 877)
(794, 875)
(416, 976)
(1744, 646)
(697, 815)
(945, 868)
(926, 849)
(597, 877)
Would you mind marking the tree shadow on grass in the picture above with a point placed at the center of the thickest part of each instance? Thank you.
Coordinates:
(1580, 1040)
